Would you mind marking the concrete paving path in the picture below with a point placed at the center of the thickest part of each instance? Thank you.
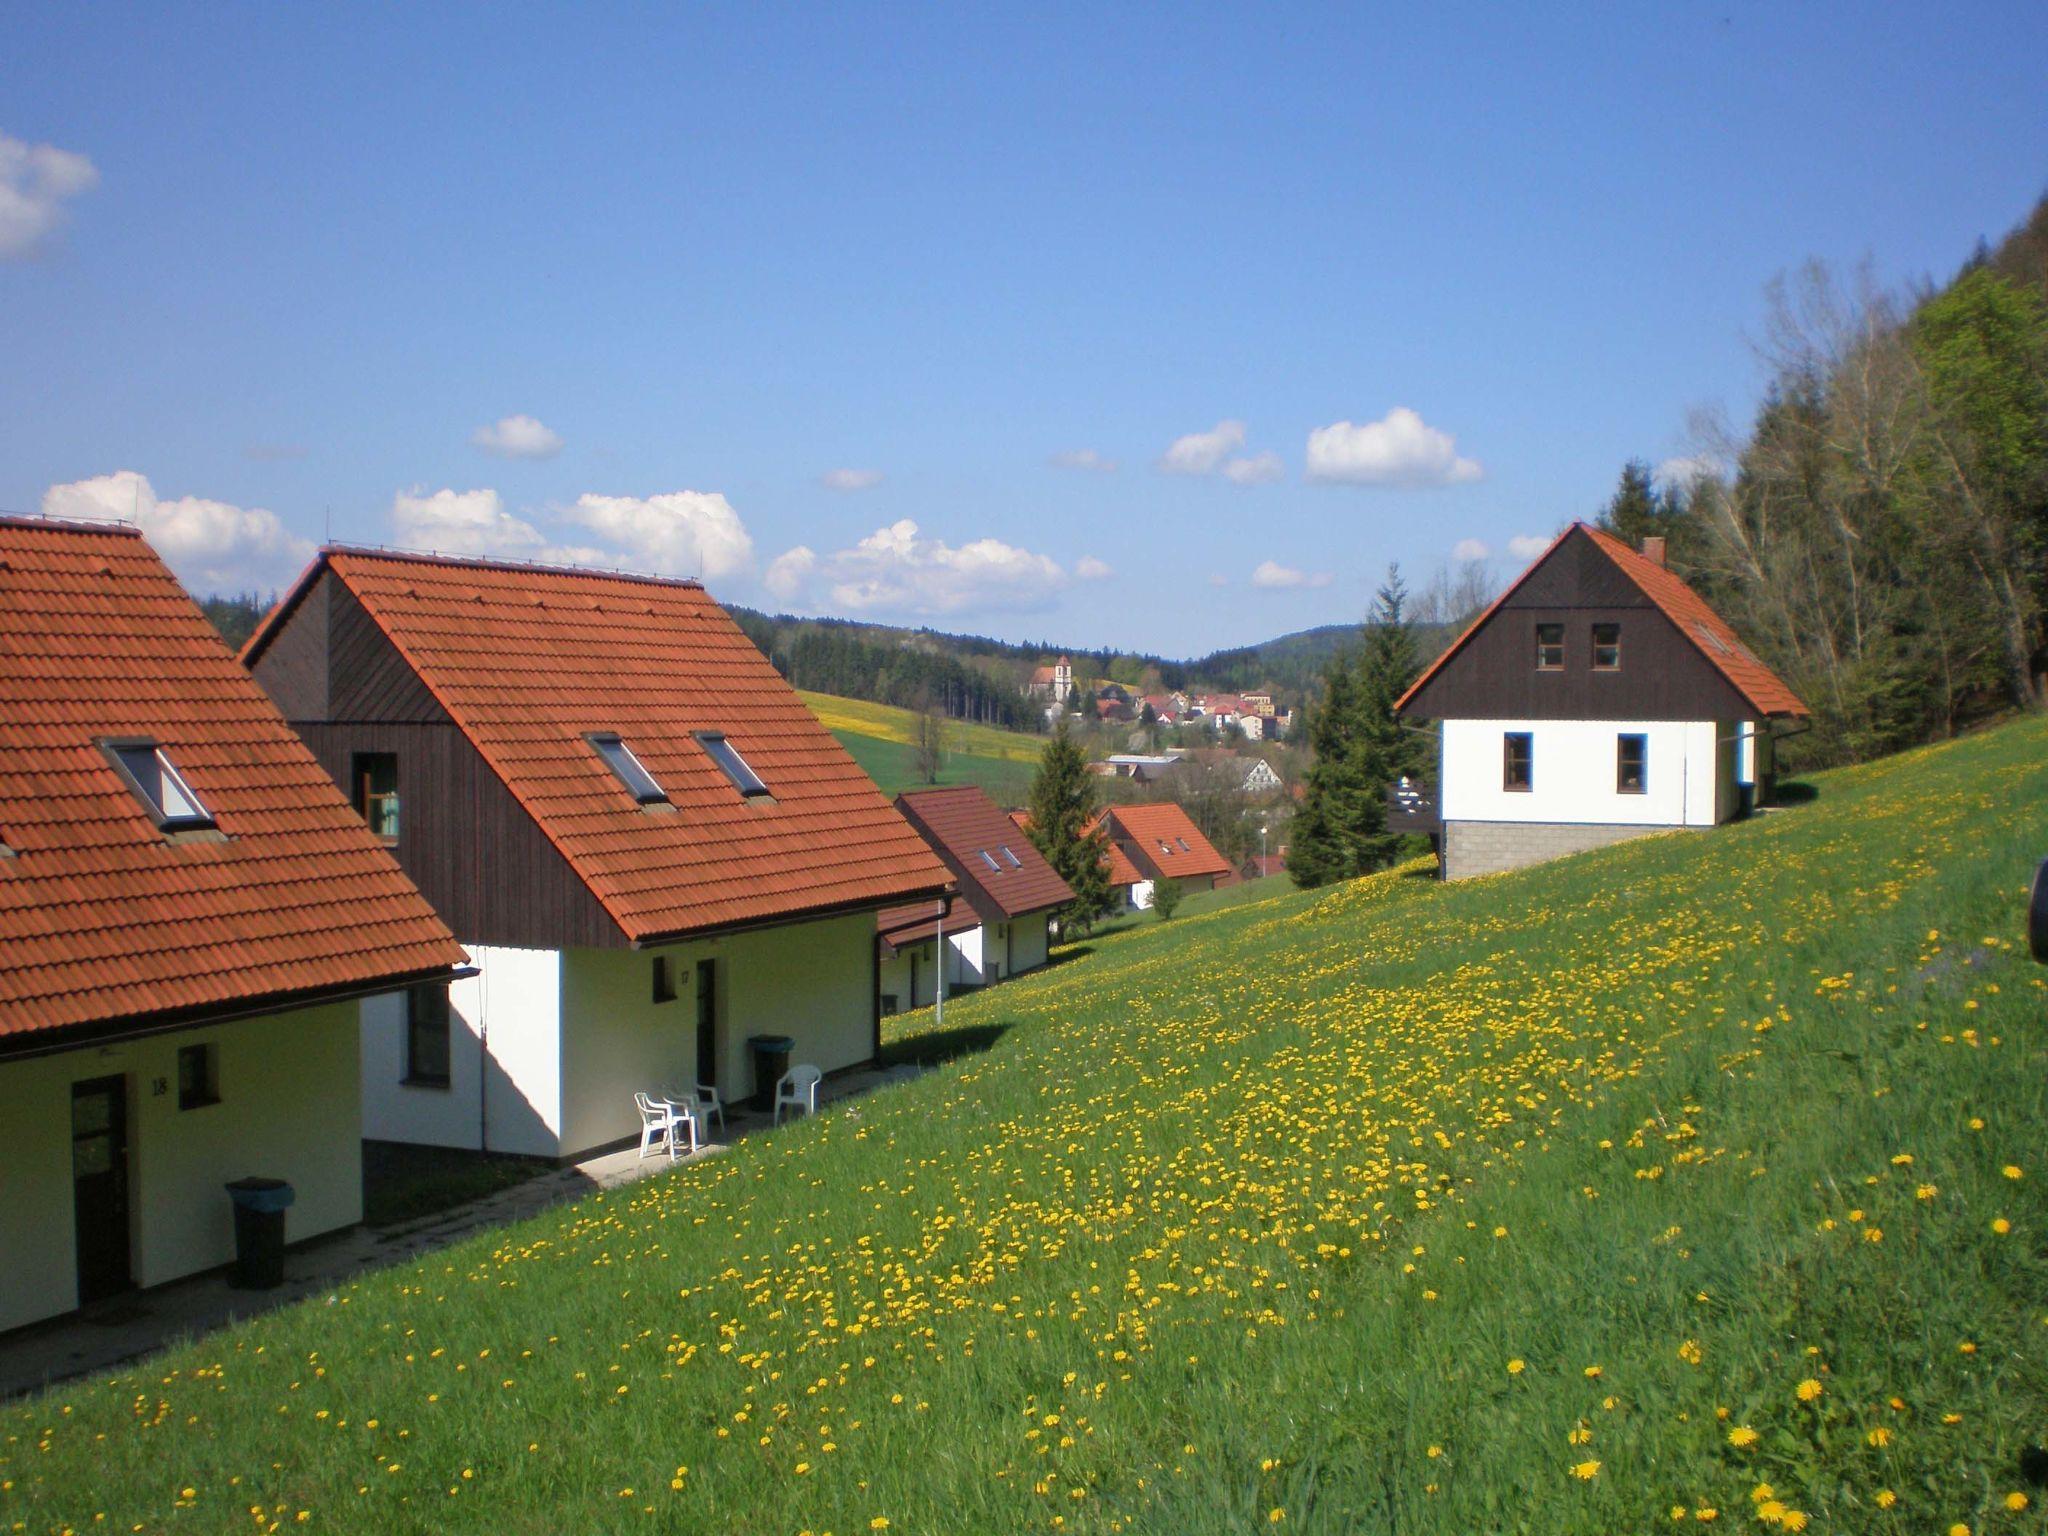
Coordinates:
(123, 1328)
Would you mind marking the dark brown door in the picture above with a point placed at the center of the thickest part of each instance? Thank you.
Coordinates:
(707, 1023)
(99, 1185)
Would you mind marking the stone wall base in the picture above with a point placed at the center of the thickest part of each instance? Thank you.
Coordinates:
(1488, 847)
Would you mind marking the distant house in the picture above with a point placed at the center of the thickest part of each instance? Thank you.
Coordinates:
(1254, 775)
(1158, 842)
(1142, 767)
(1598, 699)
(1262, 866)
(189, 916)
(1052, 684)
(999, 924)
(652, 848)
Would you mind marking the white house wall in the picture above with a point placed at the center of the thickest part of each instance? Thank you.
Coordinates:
(1029, 942)
(1690, 777)
(516, 1105)
(813, 981)
(289, 1108)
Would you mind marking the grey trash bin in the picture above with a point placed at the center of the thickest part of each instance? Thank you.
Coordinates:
(260, 1205)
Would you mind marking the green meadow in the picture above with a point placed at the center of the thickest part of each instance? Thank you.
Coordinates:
(1695, 1184)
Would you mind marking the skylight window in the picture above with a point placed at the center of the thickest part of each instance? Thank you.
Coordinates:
(156, 782)
(1015, 862)
(989, 859)
(630, 770)
(1184, 848)
(727, 756)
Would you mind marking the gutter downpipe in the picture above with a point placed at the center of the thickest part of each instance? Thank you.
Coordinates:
(939, 961)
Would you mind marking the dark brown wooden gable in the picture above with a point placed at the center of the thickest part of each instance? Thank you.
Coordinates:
(464, 838)
(1494, 676)
(292, 666)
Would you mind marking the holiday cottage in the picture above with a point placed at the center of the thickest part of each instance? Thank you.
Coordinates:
(1599, 698)
(652, 848)
(1000, 922)
(1150, 843)
(189, 916)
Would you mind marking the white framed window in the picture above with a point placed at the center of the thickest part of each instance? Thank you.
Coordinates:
(154, 780)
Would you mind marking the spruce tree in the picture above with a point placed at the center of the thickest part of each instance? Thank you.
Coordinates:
(1062, 803)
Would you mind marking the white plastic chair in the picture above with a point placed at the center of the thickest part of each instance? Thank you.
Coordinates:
(657, 1126)
(798, 1091)
(709, 1104)
(683, 1108)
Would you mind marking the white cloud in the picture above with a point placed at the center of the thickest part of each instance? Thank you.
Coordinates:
(454, 522)
(1088, 568)
(1681, 472)
(517, 437)
(211, 545)
(36, 181)
(1201, 453)
(1400, 449)
(790, 572)
(1470, 549)
(1084, 459)
(896, 569)
(679, 533)
(1272, 575)
(1258, 469)
(1527, 546)
(850, 479)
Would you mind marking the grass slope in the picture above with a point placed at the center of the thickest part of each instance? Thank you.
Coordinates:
(893, 767)
(1696, 1180)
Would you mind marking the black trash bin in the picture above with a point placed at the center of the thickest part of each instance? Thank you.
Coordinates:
(771, 1060)
(260, 1205)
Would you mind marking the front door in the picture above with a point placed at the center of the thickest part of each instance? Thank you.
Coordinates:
(707, 1023)
(99, 1185)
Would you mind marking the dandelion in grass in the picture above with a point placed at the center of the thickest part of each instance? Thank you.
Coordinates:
(1586, 1471)
(1742, 1437)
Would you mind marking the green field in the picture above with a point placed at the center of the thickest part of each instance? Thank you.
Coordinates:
(1694, 1184)
(879, 736)
(893, 766)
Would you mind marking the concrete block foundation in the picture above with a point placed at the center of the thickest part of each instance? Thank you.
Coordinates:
(1488, 847)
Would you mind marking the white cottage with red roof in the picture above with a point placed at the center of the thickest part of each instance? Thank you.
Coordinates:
(1598, 699)
(652, 848)
(190, 915)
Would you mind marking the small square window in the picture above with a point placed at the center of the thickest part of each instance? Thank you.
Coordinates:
(664, 979)
(620, 759)
(426, 1036)
(198, 1076)
(1518, 761)
(731, 764)
(1632, 765)
(374, 781)
(1549, 647)
(154, 780)
(1606, 647)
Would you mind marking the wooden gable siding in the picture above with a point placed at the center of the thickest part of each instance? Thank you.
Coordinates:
(368, 678)
(1662, 676)
(293, 667)
(464, 838)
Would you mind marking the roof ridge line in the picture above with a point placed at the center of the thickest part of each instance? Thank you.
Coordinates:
(82, 524)
(507, 563)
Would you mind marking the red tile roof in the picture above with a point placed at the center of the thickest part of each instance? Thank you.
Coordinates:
(900, 927)
(1707, 631)
(103, 918)
(962, 824)
(1144, 828)
(527, 659)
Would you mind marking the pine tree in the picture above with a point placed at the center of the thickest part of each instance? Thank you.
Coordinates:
(1386, 748)
(1062, 803)
(1323, 845)
(1635, 510)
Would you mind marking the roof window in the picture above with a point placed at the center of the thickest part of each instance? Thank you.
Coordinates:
(1184, 848)
(630, 770)
(1015, 862)
(989, 859)
(734, 767)
(154, 780)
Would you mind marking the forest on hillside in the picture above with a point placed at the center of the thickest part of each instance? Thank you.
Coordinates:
(1879, 534)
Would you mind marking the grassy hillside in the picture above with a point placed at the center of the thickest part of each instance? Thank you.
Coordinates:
(1697, 1180)
(879, 737)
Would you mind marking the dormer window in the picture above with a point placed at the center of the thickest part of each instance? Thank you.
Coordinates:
(731, 764)
(618, 757)
(154, 780)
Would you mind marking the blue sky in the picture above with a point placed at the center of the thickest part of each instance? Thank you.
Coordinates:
(267, 272)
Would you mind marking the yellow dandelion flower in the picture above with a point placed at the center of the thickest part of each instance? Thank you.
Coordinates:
(1690, 1352)
(1517, 1366)
(1592, 1372)
(2012, 1171)
(1879, 1436)
(1586, 1471)
(1885, 1498)
(2015, 1501)
(2000, 1225)
(1742, 1436)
